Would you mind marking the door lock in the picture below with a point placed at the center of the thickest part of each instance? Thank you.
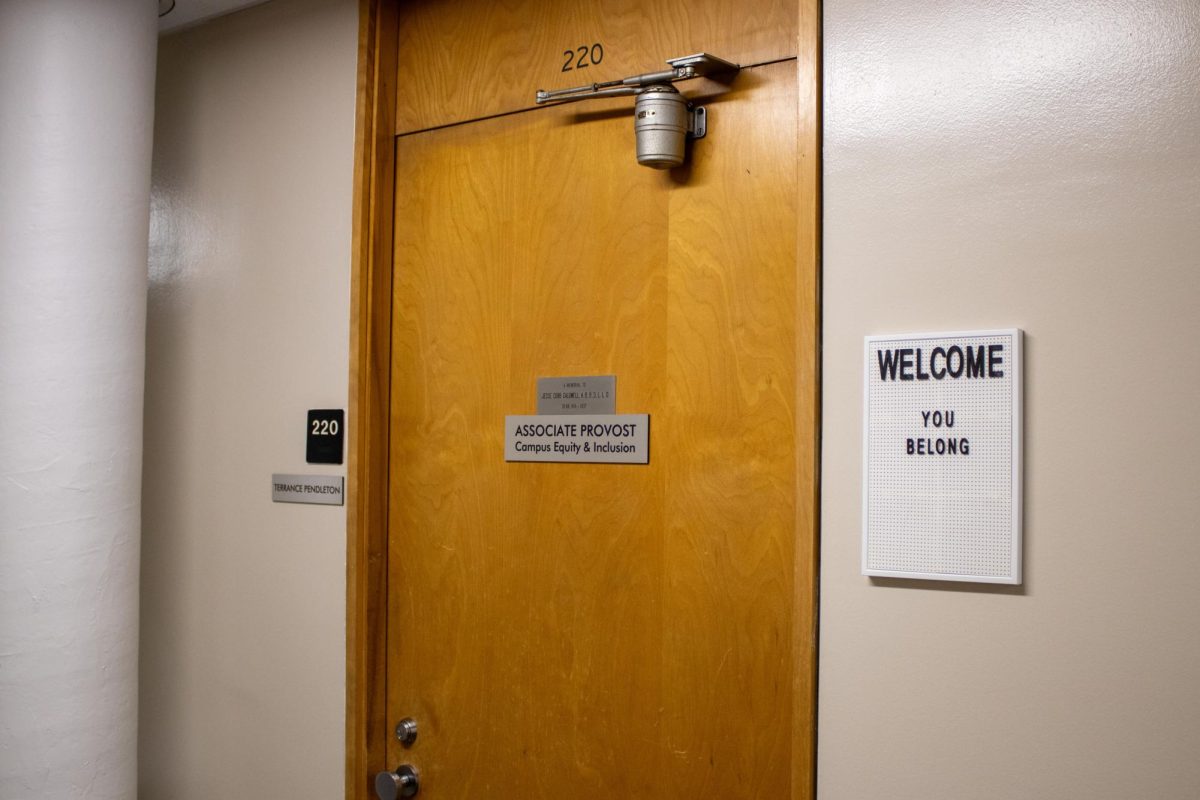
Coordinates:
(406, 731)
(404, 782)
(662, 118)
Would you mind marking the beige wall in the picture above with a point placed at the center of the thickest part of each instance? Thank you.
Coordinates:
(1034, 165)
(243, 601)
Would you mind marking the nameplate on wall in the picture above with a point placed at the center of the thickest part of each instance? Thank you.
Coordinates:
(322, 490)
(942, 456)
(578, 438)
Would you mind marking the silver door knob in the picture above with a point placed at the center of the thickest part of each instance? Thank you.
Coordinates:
(404, 782)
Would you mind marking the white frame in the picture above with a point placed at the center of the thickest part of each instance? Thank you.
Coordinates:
(1018, 425)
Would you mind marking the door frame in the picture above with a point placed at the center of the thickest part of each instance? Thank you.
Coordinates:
(370, 388)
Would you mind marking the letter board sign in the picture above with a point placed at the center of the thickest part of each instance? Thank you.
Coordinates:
(942, 456)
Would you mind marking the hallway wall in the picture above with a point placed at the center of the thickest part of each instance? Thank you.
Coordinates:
(1032, 165)
(243, 600)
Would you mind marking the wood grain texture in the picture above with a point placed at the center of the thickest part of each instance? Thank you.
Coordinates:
(808, 396)
(471, 59)
(521, 256)
(593, 631)
(731, 442)
(370, 336)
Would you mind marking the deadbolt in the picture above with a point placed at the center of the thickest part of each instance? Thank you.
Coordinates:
(406, 731)
(404, 782)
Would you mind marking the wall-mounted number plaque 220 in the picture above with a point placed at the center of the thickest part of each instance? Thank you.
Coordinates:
(942, 456)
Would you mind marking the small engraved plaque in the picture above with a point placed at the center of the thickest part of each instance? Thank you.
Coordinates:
(324, 490)
(585, 394)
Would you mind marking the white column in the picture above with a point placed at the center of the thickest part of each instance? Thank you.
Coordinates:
(76, 121)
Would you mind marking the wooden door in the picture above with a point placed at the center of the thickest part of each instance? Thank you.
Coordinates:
(596, 630)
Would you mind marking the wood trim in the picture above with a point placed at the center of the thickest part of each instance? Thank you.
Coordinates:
(808, 391)
(370, 336)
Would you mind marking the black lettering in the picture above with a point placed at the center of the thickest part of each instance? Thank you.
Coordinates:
(952, 447)
(582, 56)
(954, 371)
(910, 446)
(925, 414)
(937, 419)
(949, 419)
(975, 362)
(887, 364)
(995, 360)
(933, 370)
(906, 364)
(941, 447)
(921, 376)
(965, 446)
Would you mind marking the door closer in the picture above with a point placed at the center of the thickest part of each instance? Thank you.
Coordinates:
(663, 119)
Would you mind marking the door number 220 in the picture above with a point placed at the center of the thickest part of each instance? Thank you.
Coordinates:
(324, 427)
(582, 56)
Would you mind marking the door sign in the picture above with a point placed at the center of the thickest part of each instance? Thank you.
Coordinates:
(942, 456)
(326, 431)
(578, 438)
(585, 394)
